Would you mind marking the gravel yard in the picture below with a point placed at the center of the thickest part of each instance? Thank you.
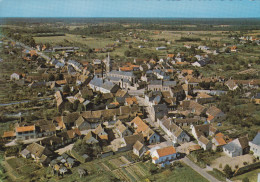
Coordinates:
(232, 162)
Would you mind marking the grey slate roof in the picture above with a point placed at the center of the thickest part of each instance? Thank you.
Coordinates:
(121, 73)
(256, 140)
(156, 82)
(232, 147)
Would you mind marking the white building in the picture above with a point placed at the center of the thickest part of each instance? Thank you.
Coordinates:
(164, 155)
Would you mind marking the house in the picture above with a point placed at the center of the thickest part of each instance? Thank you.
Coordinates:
(237, 147)
(103, 86)
(100, 132)
(53, 142)
(219, 140)
(141, 127)
(45, 128)
(122, 130)
(199, 63)
(69, 136)
(128, 142)
(164, 155)
(203, 98)
(82, 124)
(26, 132)
(173, 131)
(204, 142)
(90, 138)
(76, 65)
(59, 100)
(186, 121)
(215, 114)
(139, 148)
(203, 130)
(193, 81)
(153, 98)
(70, 119)
(15, 76)
(178, 92)
(193, 148)
(255, 145)
(140, 61)
(193, 107)
(231, 84)
(160, 48)
(58, 122)
(204, 48)
(158, 111)
(122, 75)
(38, 153)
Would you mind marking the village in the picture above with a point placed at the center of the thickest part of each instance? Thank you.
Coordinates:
(126, 117)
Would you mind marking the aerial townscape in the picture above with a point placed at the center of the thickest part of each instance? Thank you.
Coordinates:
(136, 99)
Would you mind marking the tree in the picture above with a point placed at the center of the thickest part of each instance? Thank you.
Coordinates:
(75, 105)
(127, 53)
(228, 171)
(66, 89)
(51, 77)
(227, 50)
(196, 73)
(194, 59)
(60, 76)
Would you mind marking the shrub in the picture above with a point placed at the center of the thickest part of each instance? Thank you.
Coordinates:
(228, 171)
(245, 163)
(245, 179)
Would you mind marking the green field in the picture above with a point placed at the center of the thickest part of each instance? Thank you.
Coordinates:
(92, 42)
(183, 174)
(252, 176)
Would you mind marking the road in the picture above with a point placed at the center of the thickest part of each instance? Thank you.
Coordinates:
(30, 48)
(199, 170)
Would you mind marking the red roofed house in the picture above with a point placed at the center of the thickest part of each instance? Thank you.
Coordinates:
(141, 127)
(26, 132)
(8, 135)
(164, 155)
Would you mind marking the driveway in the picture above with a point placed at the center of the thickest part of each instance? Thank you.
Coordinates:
(199, 170)
(183, 147)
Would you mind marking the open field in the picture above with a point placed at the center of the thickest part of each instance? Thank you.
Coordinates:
(92, 42)
(20, 168)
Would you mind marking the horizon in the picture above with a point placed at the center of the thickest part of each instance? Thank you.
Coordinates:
(129, 9)
(136, 17)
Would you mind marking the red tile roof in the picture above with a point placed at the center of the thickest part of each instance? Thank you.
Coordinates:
(8, 134)
(25, 128)
(141, 126)
(166, 151)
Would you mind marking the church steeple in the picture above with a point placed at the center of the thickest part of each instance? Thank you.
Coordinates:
(108, 63)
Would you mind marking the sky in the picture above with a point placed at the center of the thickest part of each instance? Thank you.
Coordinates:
(131, 8)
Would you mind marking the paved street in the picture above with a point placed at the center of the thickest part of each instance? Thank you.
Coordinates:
(199, 170)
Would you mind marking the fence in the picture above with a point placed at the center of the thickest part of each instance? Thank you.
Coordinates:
(247, 168)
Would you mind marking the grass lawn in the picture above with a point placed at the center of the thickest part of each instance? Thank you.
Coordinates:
(217, 176)
(252, 176)
(182, 174)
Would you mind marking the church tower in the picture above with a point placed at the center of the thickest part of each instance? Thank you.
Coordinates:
(108, 63)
